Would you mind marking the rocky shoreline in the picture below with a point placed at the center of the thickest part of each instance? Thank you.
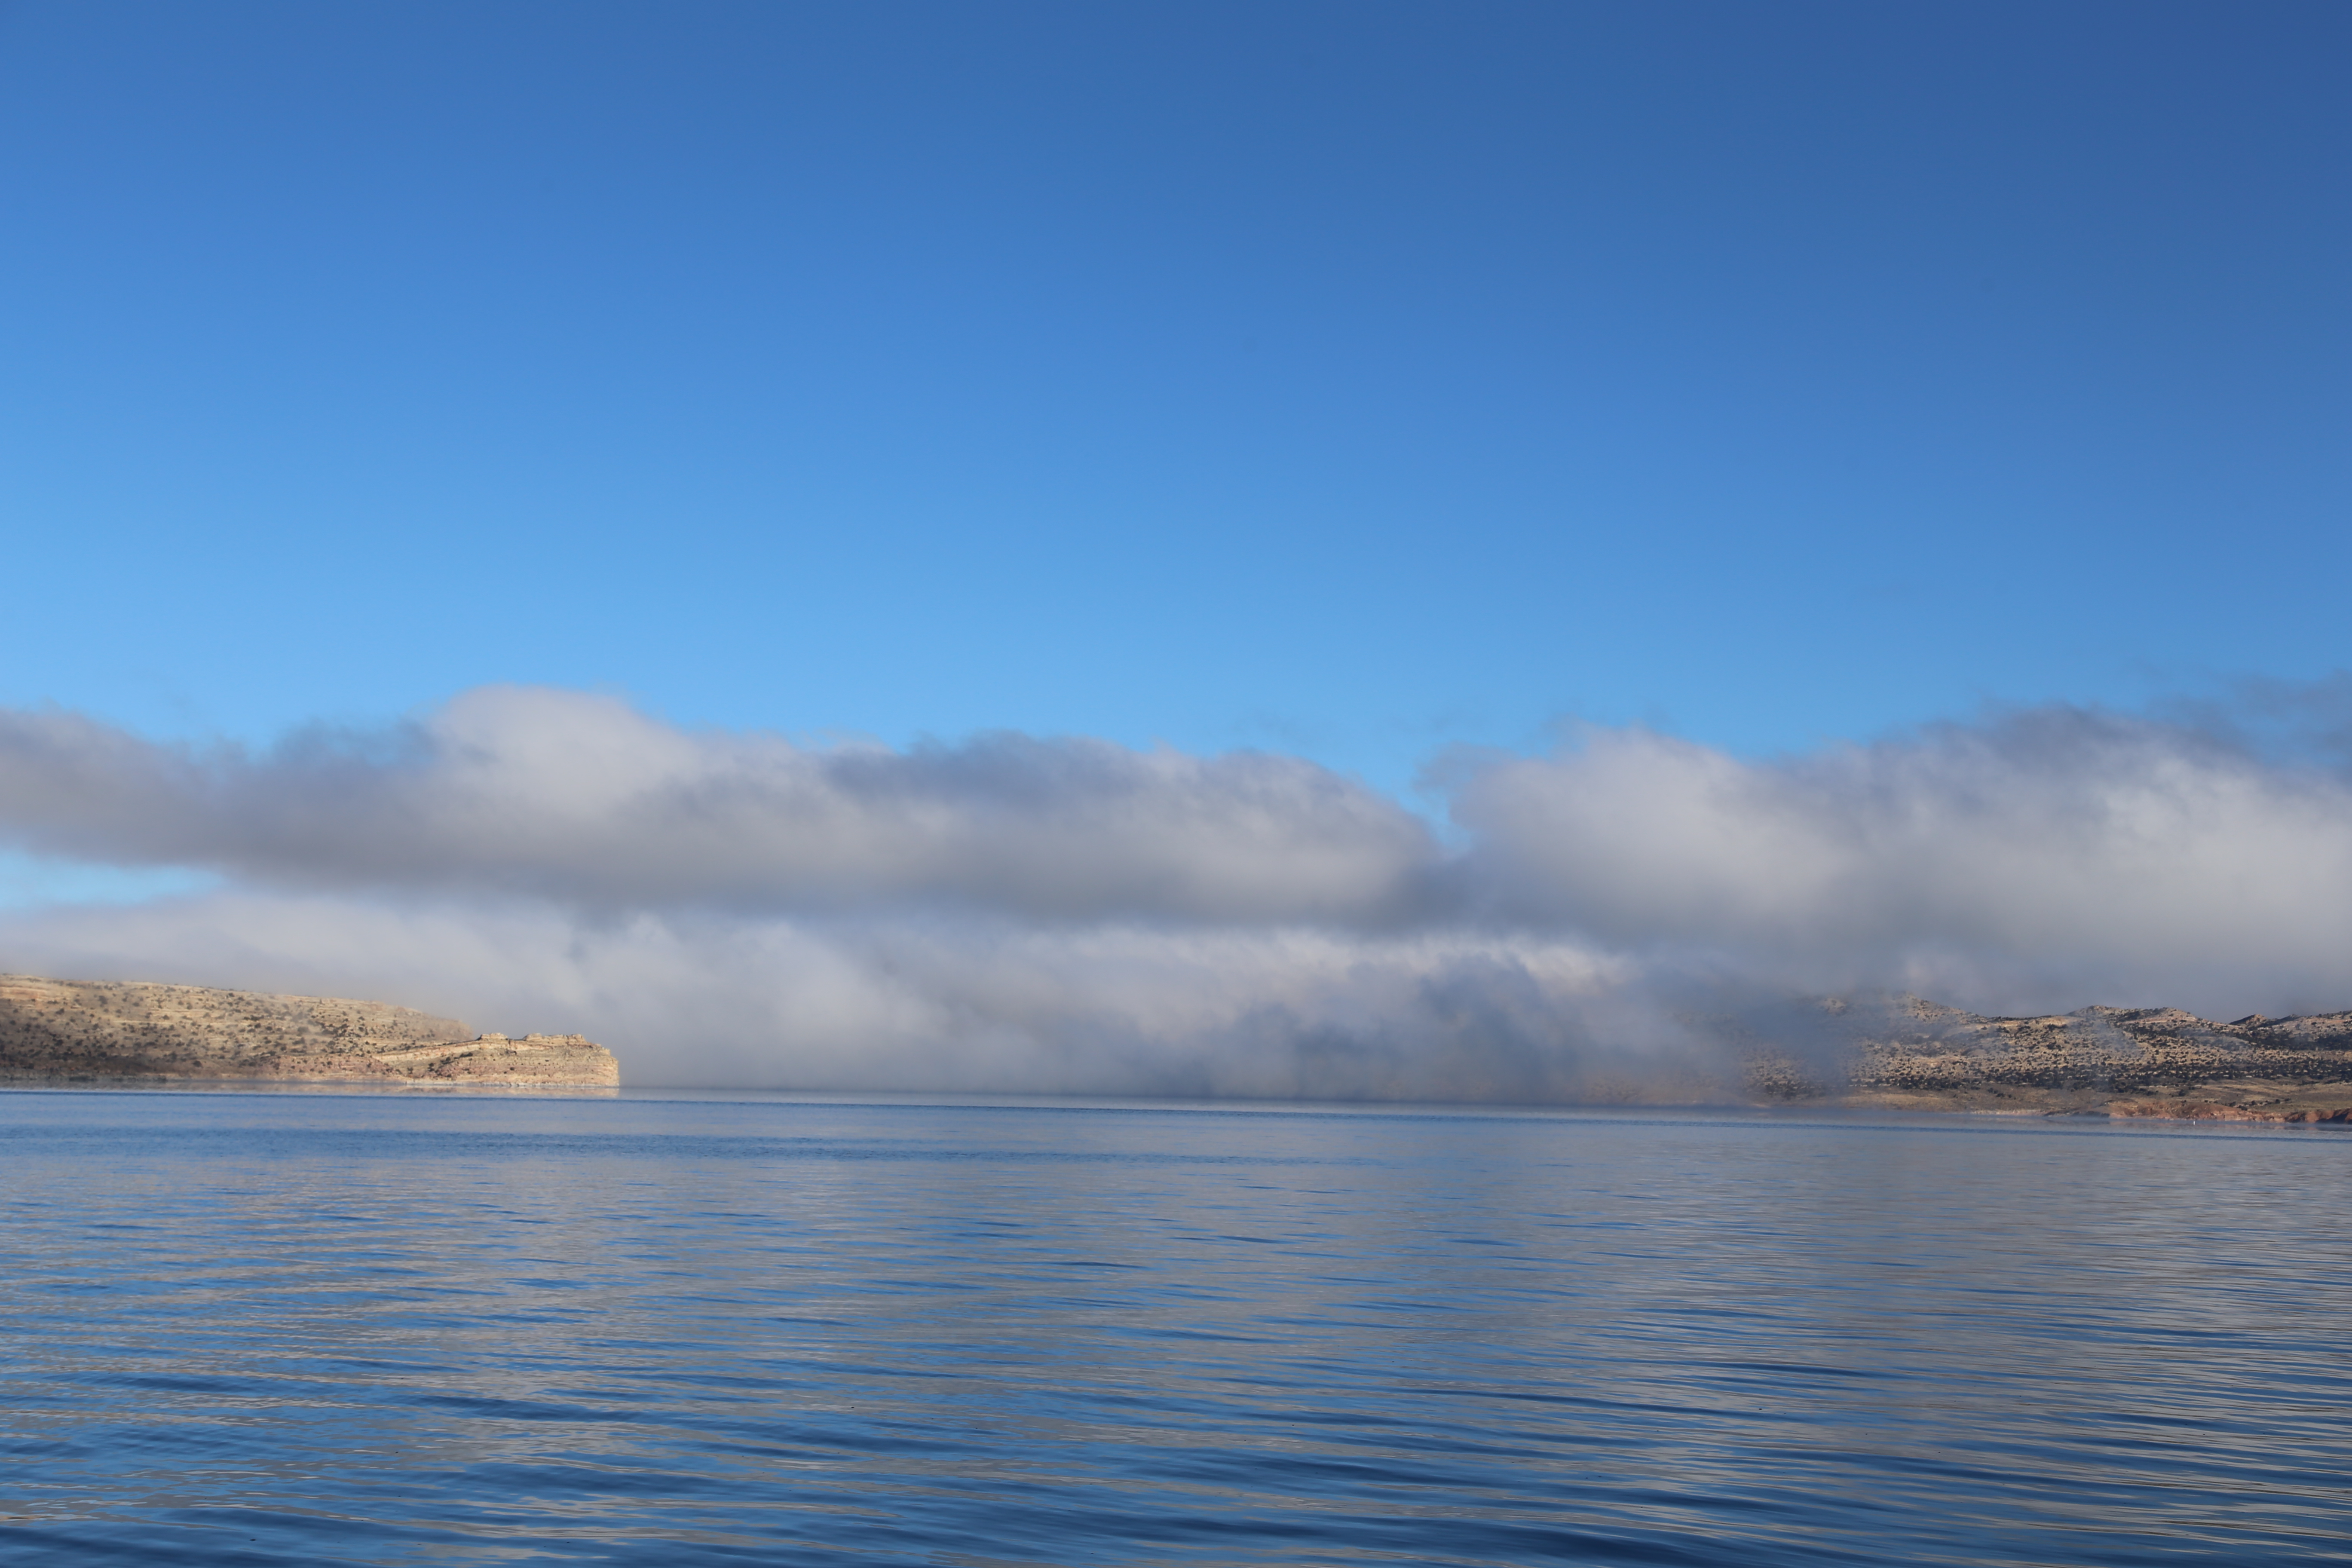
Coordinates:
(66, 1031)
(1883, 1053)
(1903, 1053)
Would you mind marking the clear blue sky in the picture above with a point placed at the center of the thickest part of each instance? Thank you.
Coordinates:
(1348, 379)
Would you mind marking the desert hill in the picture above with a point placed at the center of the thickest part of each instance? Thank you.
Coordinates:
(68, 1030)
(1906, 1053)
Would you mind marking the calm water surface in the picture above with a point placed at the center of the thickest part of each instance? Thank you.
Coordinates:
(282, 1329)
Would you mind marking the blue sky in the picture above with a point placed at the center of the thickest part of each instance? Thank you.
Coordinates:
(1347, 381)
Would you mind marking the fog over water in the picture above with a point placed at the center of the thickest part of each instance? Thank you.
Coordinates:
(1013, 912)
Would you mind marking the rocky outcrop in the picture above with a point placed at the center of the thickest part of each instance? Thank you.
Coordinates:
(1905, 1053)
(66, 1031)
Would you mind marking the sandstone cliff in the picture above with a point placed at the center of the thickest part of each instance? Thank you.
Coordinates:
(65, 1030)
(1903, 1053)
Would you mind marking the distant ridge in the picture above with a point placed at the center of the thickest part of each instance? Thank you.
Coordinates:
(79, 1031)
(1907, 1053)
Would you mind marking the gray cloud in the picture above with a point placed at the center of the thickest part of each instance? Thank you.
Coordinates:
(582, 800)
(1013, 914)
(2044, 854)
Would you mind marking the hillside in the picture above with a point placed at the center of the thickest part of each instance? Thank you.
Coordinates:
(1903, 1053)
(67, 1030)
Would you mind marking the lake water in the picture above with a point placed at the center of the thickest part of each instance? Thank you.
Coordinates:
(248, 1329)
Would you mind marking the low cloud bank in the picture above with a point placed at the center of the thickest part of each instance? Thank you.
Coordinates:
(943, 1004)
(583, 800)
(1027, 915)
(2044, 855)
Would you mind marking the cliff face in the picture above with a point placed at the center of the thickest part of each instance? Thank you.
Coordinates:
(64, 1030)
(1906, 1053)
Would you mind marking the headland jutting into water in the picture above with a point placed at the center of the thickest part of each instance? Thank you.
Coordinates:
(66, 1031)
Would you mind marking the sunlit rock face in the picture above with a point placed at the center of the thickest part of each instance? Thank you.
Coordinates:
(64, 1030)
(1905, 1053)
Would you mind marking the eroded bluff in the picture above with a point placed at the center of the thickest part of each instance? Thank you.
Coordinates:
(1909, 1053)
(67, 1030)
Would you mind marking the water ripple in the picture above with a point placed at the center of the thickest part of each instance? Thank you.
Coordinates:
(265, 1329)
